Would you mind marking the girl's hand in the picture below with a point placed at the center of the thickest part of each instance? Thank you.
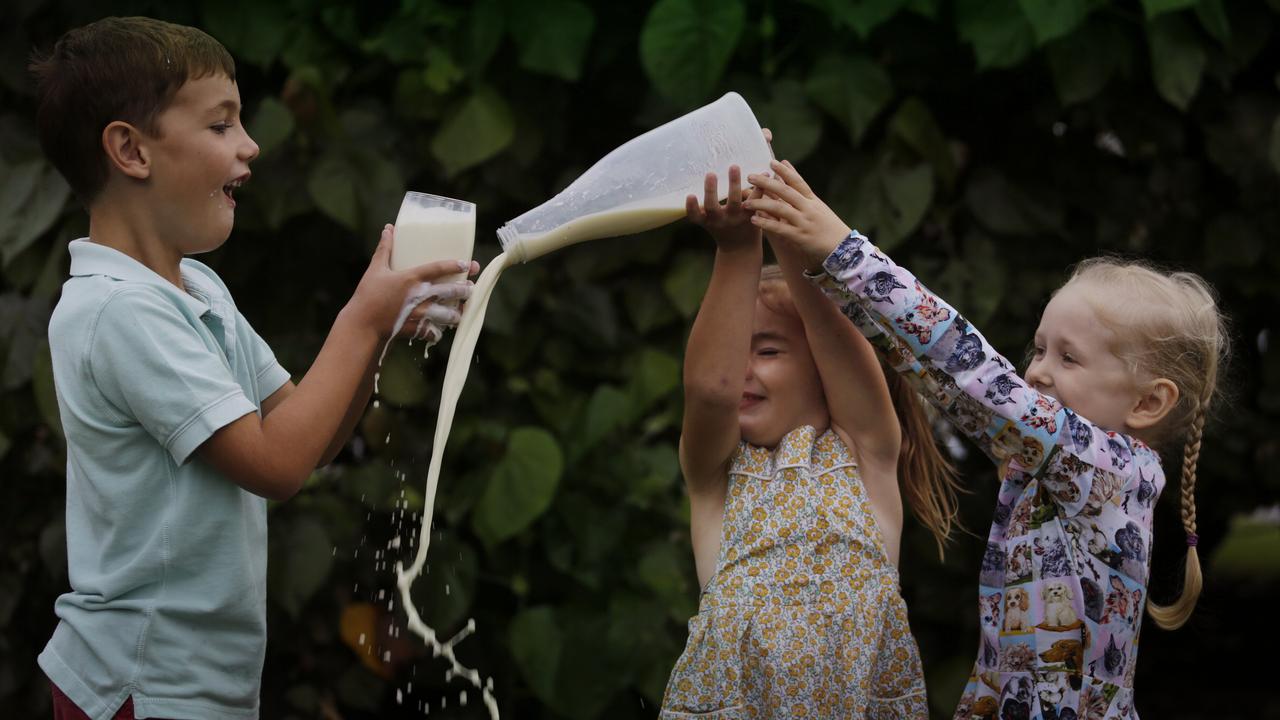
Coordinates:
(384, 295)
(730, 224)
(790, 212)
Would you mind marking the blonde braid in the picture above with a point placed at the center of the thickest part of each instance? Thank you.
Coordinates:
(1174, 616)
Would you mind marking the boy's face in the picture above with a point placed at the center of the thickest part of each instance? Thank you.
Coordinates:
(782, 390)
(201, 154)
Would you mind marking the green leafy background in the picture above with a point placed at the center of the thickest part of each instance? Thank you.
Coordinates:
(987, 143)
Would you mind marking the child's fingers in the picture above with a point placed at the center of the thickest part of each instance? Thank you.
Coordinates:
(382, 253)
(775, 228)
(775, 208)
(792, 176)
(440, 268)
(442, 315)
(735, 187)
(775, 186)
(693, 211)
(710, 196)
(445, 292)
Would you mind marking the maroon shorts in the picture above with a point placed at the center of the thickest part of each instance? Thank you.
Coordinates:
(64, 709)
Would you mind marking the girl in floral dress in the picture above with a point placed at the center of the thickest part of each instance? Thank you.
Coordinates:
(1126, 360)
(791, 449)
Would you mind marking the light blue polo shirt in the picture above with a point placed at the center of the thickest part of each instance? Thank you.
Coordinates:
(167, 558)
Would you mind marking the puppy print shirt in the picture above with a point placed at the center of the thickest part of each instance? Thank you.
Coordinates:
(1063, 582)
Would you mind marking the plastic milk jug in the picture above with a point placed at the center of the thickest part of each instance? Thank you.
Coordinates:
(643, 184)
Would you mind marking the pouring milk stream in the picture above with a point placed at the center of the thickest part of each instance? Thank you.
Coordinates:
(639, 186)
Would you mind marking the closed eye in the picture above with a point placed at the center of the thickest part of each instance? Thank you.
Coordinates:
(221, 128)
(768, 352)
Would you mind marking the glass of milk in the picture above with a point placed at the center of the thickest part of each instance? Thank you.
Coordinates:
(430, 228)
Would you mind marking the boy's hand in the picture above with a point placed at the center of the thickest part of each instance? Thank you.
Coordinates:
(730, 224)
(792, 213)
(411, 298)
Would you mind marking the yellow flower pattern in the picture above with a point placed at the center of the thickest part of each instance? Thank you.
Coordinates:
(803, 617)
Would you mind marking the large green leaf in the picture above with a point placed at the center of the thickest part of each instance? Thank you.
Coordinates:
(1084, 62)
(853, 90)
(36, 194)
(522, 485)
(400, 379)
(448, 588)
(686, 282)
(536, 642)
(299, 561)
(795, 124)
(271, 125)
(1159, 7)
(1177, 59)
(607, 411)
(915, 125)
(253, 32)
(1213, 16)
(865, 16)
(685, 45)
(1052, 19)
(553, 36)
(481, 127)
(655, 374)
(332, 185)
(997, 30)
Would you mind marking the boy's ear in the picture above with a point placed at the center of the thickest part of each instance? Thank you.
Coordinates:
(123, 145)
(1154, 404)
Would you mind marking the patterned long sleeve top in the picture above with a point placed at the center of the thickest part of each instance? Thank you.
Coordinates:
(1064, 577)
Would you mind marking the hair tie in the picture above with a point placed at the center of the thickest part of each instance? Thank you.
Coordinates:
(1192, 539)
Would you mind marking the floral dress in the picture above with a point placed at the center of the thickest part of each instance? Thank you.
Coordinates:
(1064, 576)
(802, 617)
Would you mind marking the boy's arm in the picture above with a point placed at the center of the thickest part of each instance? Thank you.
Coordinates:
(273, 455)
(857, 394)
(355, 411)
(715, 360)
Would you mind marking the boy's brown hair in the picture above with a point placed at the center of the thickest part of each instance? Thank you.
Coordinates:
(125, 69)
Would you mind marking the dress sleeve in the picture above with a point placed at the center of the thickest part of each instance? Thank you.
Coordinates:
(949, 362)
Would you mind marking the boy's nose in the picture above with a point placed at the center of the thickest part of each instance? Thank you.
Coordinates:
(250, 149)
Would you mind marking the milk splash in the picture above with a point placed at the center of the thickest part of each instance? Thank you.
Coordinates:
(455, 377)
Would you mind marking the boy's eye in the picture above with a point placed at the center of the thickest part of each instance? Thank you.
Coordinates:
(768, 351)
(1068, 358)
(1038, 352)
(221, 128)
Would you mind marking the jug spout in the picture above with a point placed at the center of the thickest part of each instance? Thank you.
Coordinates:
(643, 183)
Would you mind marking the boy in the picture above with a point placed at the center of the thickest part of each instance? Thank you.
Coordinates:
(180, 424)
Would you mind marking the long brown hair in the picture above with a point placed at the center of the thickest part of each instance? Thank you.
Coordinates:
(927, 477)
(1168, 326)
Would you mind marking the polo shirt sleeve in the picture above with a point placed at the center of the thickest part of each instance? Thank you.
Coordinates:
(270, 373)
(152, 366)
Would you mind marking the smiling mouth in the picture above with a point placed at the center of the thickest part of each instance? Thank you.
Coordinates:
(749, 400)
(229, 189)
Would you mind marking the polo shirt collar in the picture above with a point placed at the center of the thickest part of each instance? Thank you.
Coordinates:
(90, 258)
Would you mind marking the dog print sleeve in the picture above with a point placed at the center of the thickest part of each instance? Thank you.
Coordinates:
(978, 390)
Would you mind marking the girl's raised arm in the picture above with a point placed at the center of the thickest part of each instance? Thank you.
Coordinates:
(857, 394)
(715, 360)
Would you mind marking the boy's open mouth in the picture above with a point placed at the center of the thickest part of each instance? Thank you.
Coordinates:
(749, 399)
(229, 188)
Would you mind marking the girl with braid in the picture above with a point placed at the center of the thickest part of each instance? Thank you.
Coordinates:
(1125, 367)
